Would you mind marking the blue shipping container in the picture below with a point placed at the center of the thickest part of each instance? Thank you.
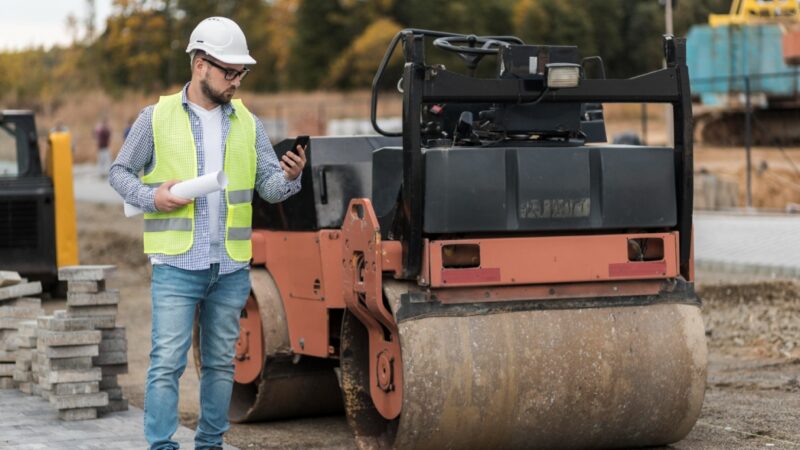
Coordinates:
(719, 58)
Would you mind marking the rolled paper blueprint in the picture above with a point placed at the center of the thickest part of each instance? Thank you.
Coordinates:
(196, 187)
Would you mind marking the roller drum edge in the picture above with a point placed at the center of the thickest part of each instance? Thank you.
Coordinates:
(284, 389)
(287, 390)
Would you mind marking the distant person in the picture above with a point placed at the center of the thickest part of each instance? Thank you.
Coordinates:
(199, 256)
(102, 135)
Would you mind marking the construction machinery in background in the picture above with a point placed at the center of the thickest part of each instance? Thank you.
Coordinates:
(37, 207)
(747, 61)
(495, 275)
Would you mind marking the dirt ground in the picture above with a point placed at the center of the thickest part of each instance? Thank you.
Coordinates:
(753, 328)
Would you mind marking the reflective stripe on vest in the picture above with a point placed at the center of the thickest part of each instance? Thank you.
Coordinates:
(239, 234)
(244, 196)
(168, 225)
(176, 158)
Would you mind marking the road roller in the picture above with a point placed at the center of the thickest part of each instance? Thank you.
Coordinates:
(494, 275)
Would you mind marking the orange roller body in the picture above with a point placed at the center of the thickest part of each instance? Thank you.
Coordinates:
(495, 275)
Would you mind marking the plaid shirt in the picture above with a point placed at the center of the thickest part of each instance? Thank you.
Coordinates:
(138, 153)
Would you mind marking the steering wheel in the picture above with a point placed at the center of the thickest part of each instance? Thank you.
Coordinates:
(474, 45)
(472, 48)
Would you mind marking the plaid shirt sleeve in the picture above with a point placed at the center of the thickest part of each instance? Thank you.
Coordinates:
(135, 156)
(271, 183)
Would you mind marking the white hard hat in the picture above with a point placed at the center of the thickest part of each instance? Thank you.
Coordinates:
(221, 38)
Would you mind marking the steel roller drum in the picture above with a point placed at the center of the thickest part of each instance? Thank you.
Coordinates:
(610, 377)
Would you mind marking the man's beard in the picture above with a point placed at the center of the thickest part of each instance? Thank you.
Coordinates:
(217, 97)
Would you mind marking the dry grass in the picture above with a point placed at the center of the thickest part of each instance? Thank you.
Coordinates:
(775, 176)
(81, 111)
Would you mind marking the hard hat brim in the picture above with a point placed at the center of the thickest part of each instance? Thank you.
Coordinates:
(228, 59)
(235, 59)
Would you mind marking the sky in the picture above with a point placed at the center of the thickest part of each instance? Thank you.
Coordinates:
(30, 23)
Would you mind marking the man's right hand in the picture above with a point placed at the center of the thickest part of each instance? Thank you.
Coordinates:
(165, 201)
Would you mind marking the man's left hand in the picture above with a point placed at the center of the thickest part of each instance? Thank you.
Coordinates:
(293, 162)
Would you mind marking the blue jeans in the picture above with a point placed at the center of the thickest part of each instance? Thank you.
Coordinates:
(176, 293)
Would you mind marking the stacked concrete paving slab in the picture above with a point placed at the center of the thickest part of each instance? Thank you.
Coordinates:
(16, 307)
(63, 365)
(26, 348)
(71, 358)
(90, 300)
(113, 361)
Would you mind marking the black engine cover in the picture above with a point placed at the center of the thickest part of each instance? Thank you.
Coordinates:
(549, 189)
(484, 189)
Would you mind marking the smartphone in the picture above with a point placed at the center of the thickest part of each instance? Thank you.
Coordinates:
(302, 141)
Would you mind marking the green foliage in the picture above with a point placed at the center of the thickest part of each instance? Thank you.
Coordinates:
(134, 50)
(478, 17)
(690, 12)
(314, 44)
(36, 77)
(323, 30)
(625, 33)
(555, 22)
(23, 74)
(268, 35)
(251, 15)
(356, 65)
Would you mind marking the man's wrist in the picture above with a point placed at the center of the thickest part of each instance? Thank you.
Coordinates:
(149, 200)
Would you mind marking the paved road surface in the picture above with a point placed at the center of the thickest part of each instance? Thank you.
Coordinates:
(28, 423)
(766, 244)
(91, 187)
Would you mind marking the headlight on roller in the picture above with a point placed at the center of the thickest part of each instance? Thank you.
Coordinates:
(563, 75)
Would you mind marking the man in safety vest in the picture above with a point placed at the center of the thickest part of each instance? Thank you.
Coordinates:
(200, 249)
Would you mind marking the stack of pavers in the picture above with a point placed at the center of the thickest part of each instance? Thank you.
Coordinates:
(63, 366)
(26, 348)
(17, 307)
(90, 300)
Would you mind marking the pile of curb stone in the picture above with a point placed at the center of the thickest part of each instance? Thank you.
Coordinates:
(89, 299)
(16, 309)
(26, 348)
(63, 366)
(71, 358)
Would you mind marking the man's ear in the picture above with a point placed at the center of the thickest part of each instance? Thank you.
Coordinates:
(197, 58)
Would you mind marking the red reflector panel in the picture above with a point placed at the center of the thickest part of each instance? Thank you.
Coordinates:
(637, 269)
(464, 276)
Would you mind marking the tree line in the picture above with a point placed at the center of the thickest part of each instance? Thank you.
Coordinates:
(330, 44)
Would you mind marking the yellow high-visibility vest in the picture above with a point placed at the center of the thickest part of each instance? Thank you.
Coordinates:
(175, 155)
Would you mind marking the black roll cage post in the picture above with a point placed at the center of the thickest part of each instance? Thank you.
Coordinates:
(29, 163)
(422, 84)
